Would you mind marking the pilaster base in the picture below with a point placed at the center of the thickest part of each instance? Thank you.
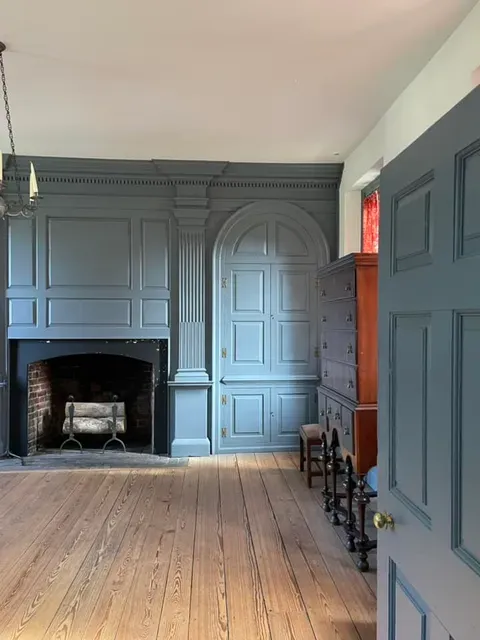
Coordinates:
(190, 418)
(190, 448)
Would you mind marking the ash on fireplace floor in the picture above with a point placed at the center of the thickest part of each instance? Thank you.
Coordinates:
(90, 460)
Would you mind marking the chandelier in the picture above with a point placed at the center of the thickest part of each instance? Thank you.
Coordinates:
(16, 206)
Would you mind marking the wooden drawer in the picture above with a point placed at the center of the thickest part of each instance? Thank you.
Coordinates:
(340, 346)
(338, 285)
(322, 415)
(334, 414)
(338, 315)
(340, 377)
(346, 433)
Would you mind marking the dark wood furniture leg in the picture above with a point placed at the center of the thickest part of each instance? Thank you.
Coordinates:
(332, 467)
(362, 499)
(309, 465)
(349, 486)
(302, 455)
(324, 460)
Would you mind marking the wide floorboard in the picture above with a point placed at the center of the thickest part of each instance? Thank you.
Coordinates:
(227, 548)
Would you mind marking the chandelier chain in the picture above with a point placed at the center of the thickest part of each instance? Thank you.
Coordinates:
(10, 130)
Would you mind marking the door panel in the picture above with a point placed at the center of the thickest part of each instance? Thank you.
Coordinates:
(246, 320)
(292, 407)
(294, 326)
(410, 415)
(429, 350)
(246, 418)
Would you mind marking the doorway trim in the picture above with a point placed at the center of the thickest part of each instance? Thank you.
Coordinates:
(280, 208)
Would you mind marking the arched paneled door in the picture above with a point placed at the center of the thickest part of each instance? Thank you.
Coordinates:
(266, 327)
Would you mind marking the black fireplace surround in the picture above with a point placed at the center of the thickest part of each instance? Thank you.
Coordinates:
(23, 353)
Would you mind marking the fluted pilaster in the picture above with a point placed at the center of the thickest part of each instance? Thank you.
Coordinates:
(192, 299)
(191, 293)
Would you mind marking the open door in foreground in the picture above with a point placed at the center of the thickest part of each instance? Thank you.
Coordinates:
(429, 384)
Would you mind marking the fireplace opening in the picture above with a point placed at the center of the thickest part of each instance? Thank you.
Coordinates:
(46, 374)
(89, 378)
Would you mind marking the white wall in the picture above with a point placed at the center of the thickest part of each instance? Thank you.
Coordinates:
(445, 80)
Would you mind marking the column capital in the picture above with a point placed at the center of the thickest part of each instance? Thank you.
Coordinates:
(191, 216)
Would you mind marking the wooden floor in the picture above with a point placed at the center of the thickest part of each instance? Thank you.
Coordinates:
(230, 547)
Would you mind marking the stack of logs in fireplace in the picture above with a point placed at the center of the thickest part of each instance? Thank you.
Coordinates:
(94, 418)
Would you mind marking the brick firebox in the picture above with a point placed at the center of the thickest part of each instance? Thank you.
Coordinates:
(39, 404)
(88, 378)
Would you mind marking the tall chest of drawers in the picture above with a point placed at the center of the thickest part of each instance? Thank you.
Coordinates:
(347, 395)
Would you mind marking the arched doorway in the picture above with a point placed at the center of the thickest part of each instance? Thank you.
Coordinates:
(265, 326)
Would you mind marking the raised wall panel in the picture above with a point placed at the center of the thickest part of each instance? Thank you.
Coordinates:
(22, 312)
(248, 291)
(89, 252)
(467, 191)
(293, 291)
(246, 417)
(248, 343)
(154, 251)
(409, 385)
(253, 242)
(288, 242)
(412, 232)
(22, 252)
(88, 312)
(155, 313)
(293, 343)
(409, 616)
(465, 538)
(292, 408)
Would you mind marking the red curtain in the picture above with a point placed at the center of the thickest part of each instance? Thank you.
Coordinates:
(371, 220)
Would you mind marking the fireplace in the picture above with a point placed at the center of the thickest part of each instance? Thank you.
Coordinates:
(45, 374)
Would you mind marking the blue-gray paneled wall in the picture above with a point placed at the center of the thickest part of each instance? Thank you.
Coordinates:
(99, 260)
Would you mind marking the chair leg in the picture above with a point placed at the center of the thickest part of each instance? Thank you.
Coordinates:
(302, 455)
(309, 465)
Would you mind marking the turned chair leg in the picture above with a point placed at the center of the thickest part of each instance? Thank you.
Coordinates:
(302, 455)
(309, 465)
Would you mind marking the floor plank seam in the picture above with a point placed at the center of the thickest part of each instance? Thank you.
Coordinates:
(252, 544)
(285, 552)
(193, 550)
(222, 544)
(46, 636)
(185, 470)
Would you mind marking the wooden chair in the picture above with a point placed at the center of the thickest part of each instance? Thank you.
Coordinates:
(310, 436)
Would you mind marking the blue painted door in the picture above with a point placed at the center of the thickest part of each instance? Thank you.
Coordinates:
(429, 393)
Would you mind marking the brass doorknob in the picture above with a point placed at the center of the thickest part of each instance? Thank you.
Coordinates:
(383, 521)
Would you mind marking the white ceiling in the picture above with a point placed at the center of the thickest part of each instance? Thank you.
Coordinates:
(243, 80)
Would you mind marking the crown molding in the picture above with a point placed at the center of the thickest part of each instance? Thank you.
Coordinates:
(188, 178)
